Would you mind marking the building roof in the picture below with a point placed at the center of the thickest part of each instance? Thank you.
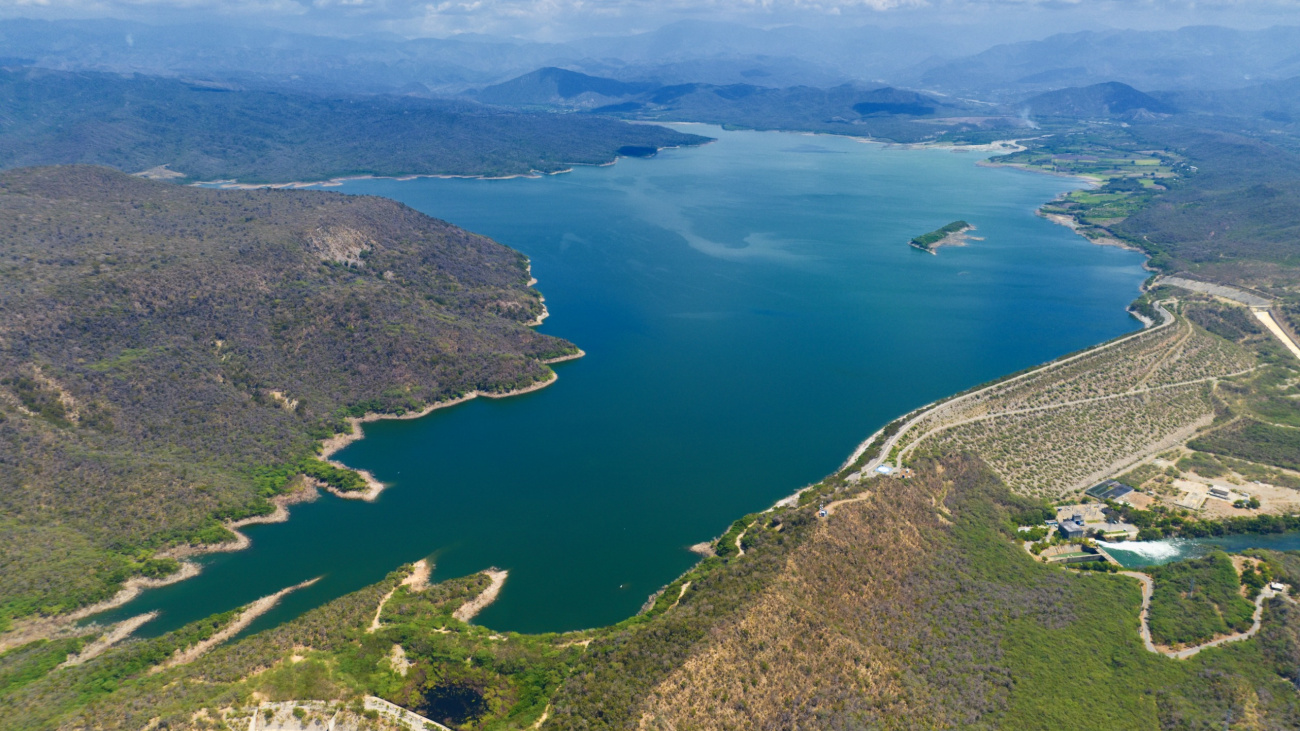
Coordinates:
(1069, 526)
(1109, 490)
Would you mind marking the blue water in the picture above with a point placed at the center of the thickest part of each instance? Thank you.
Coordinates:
(1137, 554)
(750, 310)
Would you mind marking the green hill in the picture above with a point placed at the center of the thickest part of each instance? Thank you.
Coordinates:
(169, 355)
(1110, 99)
(554, 86)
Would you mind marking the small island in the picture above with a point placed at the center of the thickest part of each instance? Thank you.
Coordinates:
(954, 234)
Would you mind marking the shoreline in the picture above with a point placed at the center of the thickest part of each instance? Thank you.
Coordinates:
(470, 609)
(331, 446)
(32, 629)
(233, 184)
(334, 444)
(956, 238)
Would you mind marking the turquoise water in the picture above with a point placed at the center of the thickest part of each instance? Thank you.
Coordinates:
(750, 310)
(1137, 554)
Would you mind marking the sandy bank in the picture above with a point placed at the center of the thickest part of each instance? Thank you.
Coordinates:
(114, 635)
(956, 238)
(471, 608)
(31, 629)
(1069, 222)
(250, 612)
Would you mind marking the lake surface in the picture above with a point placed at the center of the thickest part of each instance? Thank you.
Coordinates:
(1136, 554)
(751, 312)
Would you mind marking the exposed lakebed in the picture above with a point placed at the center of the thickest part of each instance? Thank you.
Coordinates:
(750, 312)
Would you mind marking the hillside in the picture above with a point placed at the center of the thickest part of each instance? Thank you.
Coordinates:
(1109, 99)
(171, 355)
(560, 87)
(909, 606)
(207, 131)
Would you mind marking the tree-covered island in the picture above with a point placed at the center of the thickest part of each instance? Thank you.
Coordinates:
(951, 235)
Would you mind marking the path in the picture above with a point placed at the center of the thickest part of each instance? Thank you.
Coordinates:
(1167, 319)
(678, 600)
(471, 608)
(417, 580)
(830, 507)
(1257, 303)
(1148, 586)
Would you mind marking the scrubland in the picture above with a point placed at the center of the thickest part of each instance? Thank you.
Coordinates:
(1067, 425)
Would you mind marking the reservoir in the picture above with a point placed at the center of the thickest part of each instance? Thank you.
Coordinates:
(750, 311)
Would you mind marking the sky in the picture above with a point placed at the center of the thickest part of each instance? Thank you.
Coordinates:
(561, 20)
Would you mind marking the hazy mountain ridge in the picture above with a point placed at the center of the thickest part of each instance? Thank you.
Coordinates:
(1109, 99)
(1190, 58)
(137, 123)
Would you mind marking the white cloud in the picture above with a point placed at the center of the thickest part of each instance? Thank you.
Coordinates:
(558, 18)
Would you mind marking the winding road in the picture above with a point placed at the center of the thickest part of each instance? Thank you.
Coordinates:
(1148, 587)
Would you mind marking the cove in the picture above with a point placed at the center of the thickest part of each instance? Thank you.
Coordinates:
(1136, 554)
(750, 311)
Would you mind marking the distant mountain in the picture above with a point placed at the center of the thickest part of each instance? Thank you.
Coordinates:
(208, 132)
(688, 51)
(560, 87)
(884, 112)
(1189, 58)
(1274, 102)
(888, 100)
(1110, 99)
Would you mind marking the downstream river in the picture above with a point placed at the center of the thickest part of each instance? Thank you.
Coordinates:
(750, 310)
(1136, 554)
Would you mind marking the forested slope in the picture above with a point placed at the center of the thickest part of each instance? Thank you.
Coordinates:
(169, 355)
(209, 132)
(911, 606)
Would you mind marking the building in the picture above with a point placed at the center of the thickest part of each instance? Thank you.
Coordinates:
(1219, 492)
(1071, 529)
(1109, 490)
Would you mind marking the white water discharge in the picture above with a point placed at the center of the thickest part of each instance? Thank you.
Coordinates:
(1150, 551)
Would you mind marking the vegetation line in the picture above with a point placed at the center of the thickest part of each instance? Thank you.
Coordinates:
(417, 580)
(31, 629)
(114, 635)
(373, 486)
(250, 612)
(471, 608)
